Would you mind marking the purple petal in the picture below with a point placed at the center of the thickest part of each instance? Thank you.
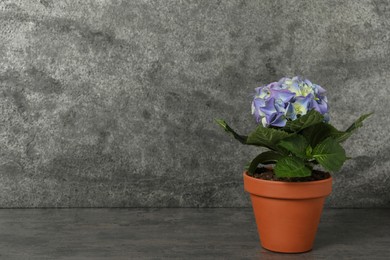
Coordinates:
(269, 107)
(278, 120)
(304, 101)
(319, 105)
(274, 85)
(314, 105)
(258, 102)
(290, 112)
(323, 106)
(308, 82)
(258, 89)
(294, 88)
(280, 106)
(318, 89)
(283, 80)
(283, 94)
(256, 111)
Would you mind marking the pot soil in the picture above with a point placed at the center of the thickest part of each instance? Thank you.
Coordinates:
(287, 211)
(268, 174)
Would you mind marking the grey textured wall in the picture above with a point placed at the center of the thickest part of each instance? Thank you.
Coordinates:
(111, 103)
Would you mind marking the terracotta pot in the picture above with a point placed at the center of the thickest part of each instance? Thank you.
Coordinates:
(287, 213)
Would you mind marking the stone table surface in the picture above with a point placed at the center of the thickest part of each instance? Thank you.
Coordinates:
(179, 233)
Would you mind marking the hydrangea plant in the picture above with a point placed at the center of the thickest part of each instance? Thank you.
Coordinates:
(293, 123)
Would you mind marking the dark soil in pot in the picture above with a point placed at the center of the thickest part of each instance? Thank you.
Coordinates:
(267, 174)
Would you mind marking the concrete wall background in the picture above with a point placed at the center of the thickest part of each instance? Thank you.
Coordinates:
(111, 103)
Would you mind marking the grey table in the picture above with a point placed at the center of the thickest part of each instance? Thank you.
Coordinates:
(186, 233)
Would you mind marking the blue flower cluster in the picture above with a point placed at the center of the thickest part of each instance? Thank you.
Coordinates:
(288, 99)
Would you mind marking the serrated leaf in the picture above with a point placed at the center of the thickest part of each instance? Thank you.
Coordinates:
(358, 123)
(311, 118)
(291, 166)
(318, 132)
(263, 158)
(296, 144)
(329, 154)
(241, 138)
(342, 136)
(267, 137)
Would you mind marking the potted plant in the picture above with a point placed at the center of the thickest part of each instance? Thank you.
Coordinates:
(287, 198)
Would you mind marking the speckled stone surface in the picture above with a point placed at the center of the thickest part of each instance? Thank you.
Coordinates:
(111, 103)
(180, 233)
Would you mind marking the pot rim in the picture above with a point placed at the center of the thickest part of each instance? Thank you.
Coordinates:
(287, 190)
(289, 182)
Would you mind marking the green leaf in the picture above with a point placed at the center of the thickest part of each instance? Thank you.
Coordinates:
(359, 122)
(342, 136)
(329, 154)
(311, 118)
(296, 144)
(241, 138)
(318, 132)
(267, 137)
(309, 151)
(291, 166)
(263, 158)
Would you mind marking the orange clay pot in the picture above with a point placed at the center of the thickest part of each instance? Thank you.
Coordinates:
(287, 213)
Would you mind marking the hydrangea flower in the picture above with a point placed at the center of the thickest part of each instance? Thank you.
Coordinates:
(288, 99)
